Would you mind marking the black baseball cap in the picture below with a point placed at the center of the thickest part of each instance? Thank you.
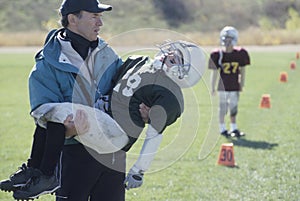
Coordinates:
(93, 6)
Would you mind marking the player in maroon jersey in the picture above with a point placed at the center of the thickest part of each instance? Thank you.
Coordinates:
(229, 64)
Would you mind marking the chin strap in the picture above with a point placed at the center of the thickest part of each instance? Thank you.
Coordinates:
(148, 151)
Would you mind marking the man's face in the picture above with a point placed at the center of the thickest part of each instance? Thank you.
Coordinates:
(173, 58)
(87, 25)
(228, 41)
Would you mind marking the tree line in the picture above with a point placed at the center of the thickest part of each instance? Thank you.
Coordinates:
(187, 15)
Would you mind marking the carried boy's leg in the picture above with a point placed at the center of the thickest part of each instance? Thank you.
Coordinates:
(53, 148)
(24, 173)
(38, 147)
(44, 180)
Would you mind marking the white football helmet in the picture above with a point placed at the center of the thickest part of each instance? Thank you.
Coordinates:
(229, 36)
(183, 62)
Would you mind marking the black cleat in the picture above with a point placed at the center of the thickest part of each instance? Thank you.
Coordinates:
(237, 133)
(17, 179)
(38, 185)
(225, 133)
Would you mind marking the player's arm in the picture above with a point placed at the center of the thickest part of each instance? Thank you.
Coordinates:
(151, 144)
(212, 65)
(213, 80)
(245, 60)
(242, 77)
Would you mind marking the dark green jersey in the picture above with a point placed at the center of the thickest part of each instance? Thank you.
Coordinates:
(143, 84)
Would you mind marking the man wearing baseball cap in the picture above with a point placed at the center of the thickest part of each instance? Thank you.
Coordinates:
(92, 6)
(77, 66)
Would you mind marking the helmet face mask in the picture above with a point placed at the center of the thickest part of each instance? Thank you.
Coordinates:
(173, 63)
(228, 41)
(228, 36)
(183, 62)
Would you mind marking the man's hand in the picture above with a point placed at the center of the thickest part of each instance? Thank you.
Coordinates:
(133, 179)
(144, 111)
(78, 126)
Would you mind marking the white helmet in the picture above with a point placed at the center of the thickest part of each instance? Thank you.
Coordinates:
(229, 32)
(183, 62)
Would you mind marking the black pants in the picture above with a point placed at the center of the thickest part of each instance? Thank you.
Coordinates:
(86, 175)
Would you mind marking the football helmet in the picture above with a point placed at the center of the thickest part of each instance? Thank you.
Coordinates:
(229, 36)
(182, 61)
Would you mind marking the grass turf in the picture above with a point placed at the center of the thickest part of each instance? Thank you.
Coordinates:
(268, 158)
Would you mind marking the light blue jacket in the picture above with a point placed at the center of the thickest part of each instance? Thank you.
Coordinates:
(53, 78)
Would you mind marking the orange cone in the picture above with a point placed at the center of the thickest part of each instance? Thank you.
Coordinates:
(293, 65)
(283, 77)
(265, 101)
(297, 55)
(226, 156)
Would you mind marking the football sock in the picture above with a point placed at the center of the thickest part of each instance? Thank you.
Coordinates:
(53, 147)
(233, 126)
(38, 147)
(222, 127)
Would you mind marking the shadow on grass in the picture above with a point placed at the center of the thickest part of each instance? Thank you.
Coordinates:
(253, 144)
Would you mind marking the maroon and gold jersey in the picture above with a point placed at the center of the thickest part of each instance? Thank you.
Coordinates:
(228, 65)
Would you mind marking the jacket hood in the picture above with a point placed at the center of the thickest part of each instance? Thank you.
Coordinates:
(52, 51)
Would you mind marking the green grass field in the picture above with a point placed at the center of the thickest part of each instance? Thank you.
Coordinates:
(268, 158)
